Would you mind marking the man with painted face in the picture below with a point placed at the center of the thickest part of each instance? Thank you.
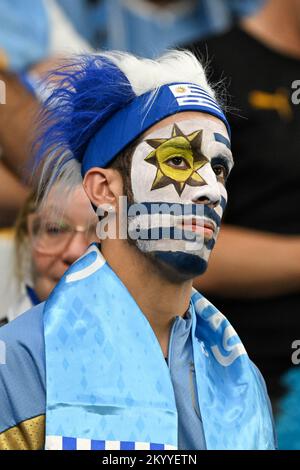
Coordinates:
(125, 354)
(189, 165)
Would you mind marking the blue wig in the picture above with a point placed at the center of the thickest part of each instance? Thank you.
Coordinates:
(85, 94)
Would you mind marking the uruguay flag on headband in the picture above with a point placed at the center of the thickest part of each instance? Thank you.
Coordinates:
(187, 94)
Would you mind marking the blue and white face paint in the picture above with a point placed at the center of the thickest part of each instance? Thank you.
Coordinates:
(178, 180)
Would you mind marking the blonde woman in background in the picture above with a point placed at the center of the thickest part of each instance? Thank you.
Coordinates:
(48, 239)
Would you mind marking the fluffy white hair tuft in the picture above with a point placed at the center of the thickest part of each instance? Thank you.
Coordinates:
(146, 75)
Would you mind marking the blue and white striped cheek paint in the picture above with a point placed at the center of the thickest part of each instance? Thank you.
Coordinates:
(178, 180)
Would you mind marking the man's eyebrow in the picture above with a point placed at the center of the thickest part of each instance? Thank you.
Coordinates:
(221, 138)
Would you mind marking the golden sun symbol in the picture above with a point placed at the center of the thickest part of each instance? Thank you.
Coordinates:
(177, 160)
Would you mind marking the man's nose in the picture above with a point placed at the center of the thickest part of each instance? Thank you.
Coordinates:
(212, 203)
(75, 248)
(209, 195)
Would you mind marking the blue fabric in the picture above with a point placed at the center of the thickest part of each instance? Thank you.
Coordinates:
(24, 32)
(22, 378)
(288, 419)
(32, 295)
(89, 19)
(128, 395)
(140, 114)
(114, 24)
(182, 371)
(17, 406)
(25, 29)
(147, 34)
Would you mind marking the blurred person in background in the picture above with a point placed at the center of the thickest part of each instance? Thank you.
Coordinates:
(49, 237)
(149, 27)
(33, 34)
(254, 273)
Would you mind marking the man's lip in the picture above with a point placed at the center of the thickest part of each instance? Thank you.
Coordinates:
(200, 222)
(199, 225)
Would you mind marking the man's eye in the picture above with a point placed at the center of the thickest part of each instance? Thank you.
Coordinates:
(178, 162)
(221, 172)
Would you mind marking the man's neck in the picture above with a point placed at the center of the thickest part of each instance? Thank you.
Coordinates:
(159, 299)
(277, 25)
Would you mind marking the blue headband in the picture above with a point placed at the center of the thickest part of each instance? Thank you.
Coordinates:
(140, 114)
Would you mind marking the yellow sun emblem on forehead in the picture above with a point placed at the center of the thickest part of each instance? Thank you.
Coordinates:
(177, 160)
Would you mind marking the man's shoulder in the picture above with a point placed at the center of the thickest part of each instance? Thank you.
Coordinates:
(25, 329)
(22, 369)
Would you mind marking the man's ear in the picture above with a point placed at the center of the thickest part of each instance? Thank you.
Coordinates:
(103, 186)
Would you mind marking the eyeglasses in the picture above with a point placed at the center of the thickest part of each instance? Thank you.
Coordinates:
(51, 237)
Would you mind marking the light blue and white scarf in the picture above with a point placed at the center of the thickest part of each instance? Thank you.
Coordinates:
(109, 387)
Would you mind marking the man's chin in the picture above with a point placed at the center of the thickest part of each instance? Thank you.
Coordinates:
(176, 266)
(179, 265)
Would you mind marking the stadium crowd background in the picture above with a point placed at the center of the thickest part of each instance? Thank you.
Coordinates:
(257, 288)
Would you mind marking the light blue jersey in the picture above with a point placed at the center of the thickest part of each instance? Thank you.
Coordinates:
(23, 385)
